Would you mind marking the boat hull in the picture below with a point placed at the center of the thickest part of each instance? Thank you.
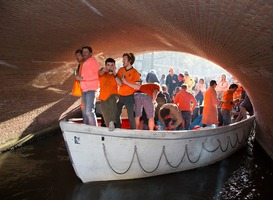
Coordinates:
(101, 155)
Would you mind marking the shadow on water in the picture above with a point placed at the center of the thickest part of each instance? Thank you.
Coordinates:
(42, 170)
(242, 176)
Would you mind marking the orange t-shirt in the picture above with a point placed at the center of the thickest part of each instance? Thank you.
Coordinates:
(227, 96)
(108, 86)
(132, 76)
(149, 88)
(184, 99)
(238, 93)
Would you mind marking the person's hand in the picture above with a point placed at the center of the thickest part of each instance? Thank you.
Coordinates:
(124, 80)
(170, 126)
(236, 101)
(79, 78)
(155, 103)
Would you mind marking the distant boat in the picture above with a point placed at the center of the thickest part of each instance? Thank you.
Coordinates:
(101, 155)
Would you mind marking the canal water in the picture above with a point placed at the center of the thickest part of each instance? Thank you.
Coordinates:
(42, 170)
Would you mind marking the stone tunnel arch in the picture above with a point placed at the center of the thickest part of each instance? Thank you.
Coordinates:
(37, 37)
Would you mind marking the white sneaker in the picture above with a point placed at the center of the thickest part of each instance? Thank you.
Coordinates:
(111, 126)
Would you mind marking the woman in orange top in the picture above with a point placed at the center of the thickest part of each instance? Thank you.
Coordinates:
(210, 115)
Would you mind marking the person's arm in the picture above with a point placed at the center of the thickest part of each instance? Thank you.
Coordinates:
(79, 78)
(194, 102)
(117, 78)
(178, 117)
(224, 98)
(155, 93)
(161, 120)
(136, 86)
(176, 99)
(101, 71)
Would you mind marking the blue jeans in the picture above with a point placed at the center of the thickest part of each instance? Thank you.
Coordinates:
(226, 117)
(88, 112)
(186, 115)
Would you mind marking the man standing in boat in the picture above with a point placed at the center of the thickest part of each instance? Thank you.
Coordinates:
(186, 103)
(109, 83)
(130, 78)
(210, 114)
(171, 81)
(228, 103)
(89, 81)
(170, 117)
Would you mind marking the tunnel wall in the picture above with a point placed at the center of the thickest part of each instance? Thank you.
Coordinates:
(38, 40)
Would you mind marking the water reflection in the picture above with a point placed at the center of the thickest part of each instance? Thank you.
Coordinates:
(172, 186)
(202, 183)
(43, 171)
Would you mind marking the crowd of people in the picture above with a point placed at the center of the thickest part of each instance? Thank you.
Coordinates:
(167, 103)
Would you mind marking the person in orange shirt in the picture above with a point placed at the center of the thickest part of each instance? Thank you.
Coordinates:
(89, 81)
(130, 78)
(239, 93)
(186, 103)
(210, 114)
(145, 98)
(109, 92)
(228, 103)
(78, 71)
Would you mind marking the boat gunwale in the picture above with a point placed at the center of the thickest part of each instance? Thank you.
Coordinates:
(154, 135)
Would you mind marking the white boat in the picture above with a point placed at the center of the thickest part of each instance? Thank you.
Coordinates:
(101, 155)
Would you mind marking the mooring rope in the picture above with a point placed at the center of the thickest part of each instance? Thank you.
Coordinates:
(186, 152)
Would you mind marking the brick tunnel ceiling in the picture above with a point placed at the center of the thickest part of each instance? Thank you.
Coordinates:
(237, 35)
